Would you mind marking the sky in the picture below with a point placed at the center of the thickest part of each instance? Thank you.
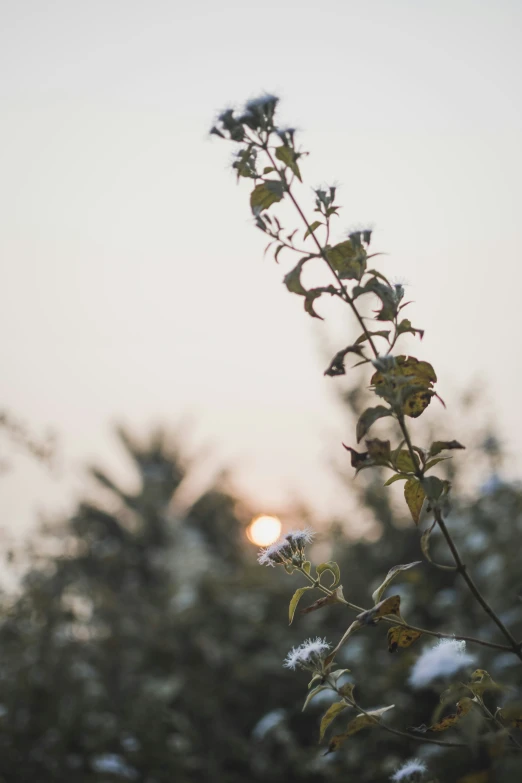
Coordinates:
(134, 287)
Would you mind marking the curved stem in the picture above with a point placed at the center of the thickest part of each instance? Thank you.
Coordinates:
(514, 646)
(496, 721)
(404, 624)
(397, 732)
(462, 569)
(346, 296)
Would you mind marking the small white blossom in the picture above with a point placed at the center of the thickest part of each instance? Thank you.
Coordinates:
(283, 549)
(411, 770)
(443, 660)
(271, 555)
(307, 654)
(400, 281)
(266, 101)
(300, 537)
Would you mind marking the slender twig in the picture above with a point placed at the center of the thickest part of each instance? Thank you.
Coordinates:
(404, 624)
(461, 567)
(397, 732)
(514, 647)
(496, 721)
(413, 737)
(348, 299)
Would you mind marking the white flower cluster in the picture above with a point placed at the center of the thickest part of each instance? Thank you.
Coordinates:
(443, 660)
(300, 537)
(308, 654)
(412, 770)
(282, 551)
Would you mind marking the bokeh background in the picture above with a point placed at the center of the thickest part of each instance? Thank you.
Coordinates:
(135, 295)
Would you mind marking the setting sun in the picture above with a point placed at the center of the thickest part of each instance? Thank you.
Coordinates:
(264, 530)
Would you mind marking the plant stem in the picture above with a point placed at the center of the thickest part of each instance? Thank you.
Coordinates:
(514, 647)
(397, 732)
(496, 721)
(404, 624)
(462, 569)
(346, 296)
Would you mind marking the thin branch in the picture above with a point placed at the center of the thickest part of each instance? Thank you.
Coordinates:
(496, 721)
(348, 299)
(514, 647)
(461, 567)
(404, 624)
(397, 732)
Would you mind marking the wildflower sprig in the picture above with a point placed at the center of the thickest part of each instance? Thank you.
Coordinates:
(269, 156)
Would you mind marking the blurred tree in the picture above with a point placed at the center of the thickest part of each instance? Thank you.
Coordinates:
(151, 647)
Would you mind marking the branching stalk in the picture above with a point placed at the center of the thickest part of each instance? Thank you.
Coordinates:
(404, 624)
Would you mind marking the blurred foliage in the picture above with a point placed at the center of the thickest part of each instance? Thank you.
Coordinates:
(151, 647)
(16, 435)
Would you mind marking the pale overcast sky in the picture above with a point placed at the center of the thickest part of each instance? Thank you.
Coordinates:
(133, 283)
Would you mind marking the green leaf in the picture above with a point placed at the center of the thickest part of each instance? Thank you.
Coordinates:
(311, 228)
(390, 576)
(404, 462)
(293, 279)
(307, 566)
(336, 366)
(424, 542)
(295, 600)
(369, 417)
(391, 605)
(362, 721)
(287, 156)
(481, 681)
(293, 282)
(396, 477)
(350, 630)
(433, 462)
(327, 600)
(347, 689)
(315, 678)
(443, 445)
(277, 251)
(399, 636)
(266, 194)
(348, 261)
(409, 381)
(385, 293)
(463, 707)
(379, 451)
(376, 273)
(512, 714)
(382, 333)
(405, 326)
(245, 164)
(337, 674)
(333, 568)
(433, 487)
(313, 693)
(359, 460)
(414, 496)
(331, 713)
(312, 295)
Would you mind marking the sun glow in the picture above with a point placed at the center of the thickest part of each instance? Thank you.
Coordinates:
(264, 530)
